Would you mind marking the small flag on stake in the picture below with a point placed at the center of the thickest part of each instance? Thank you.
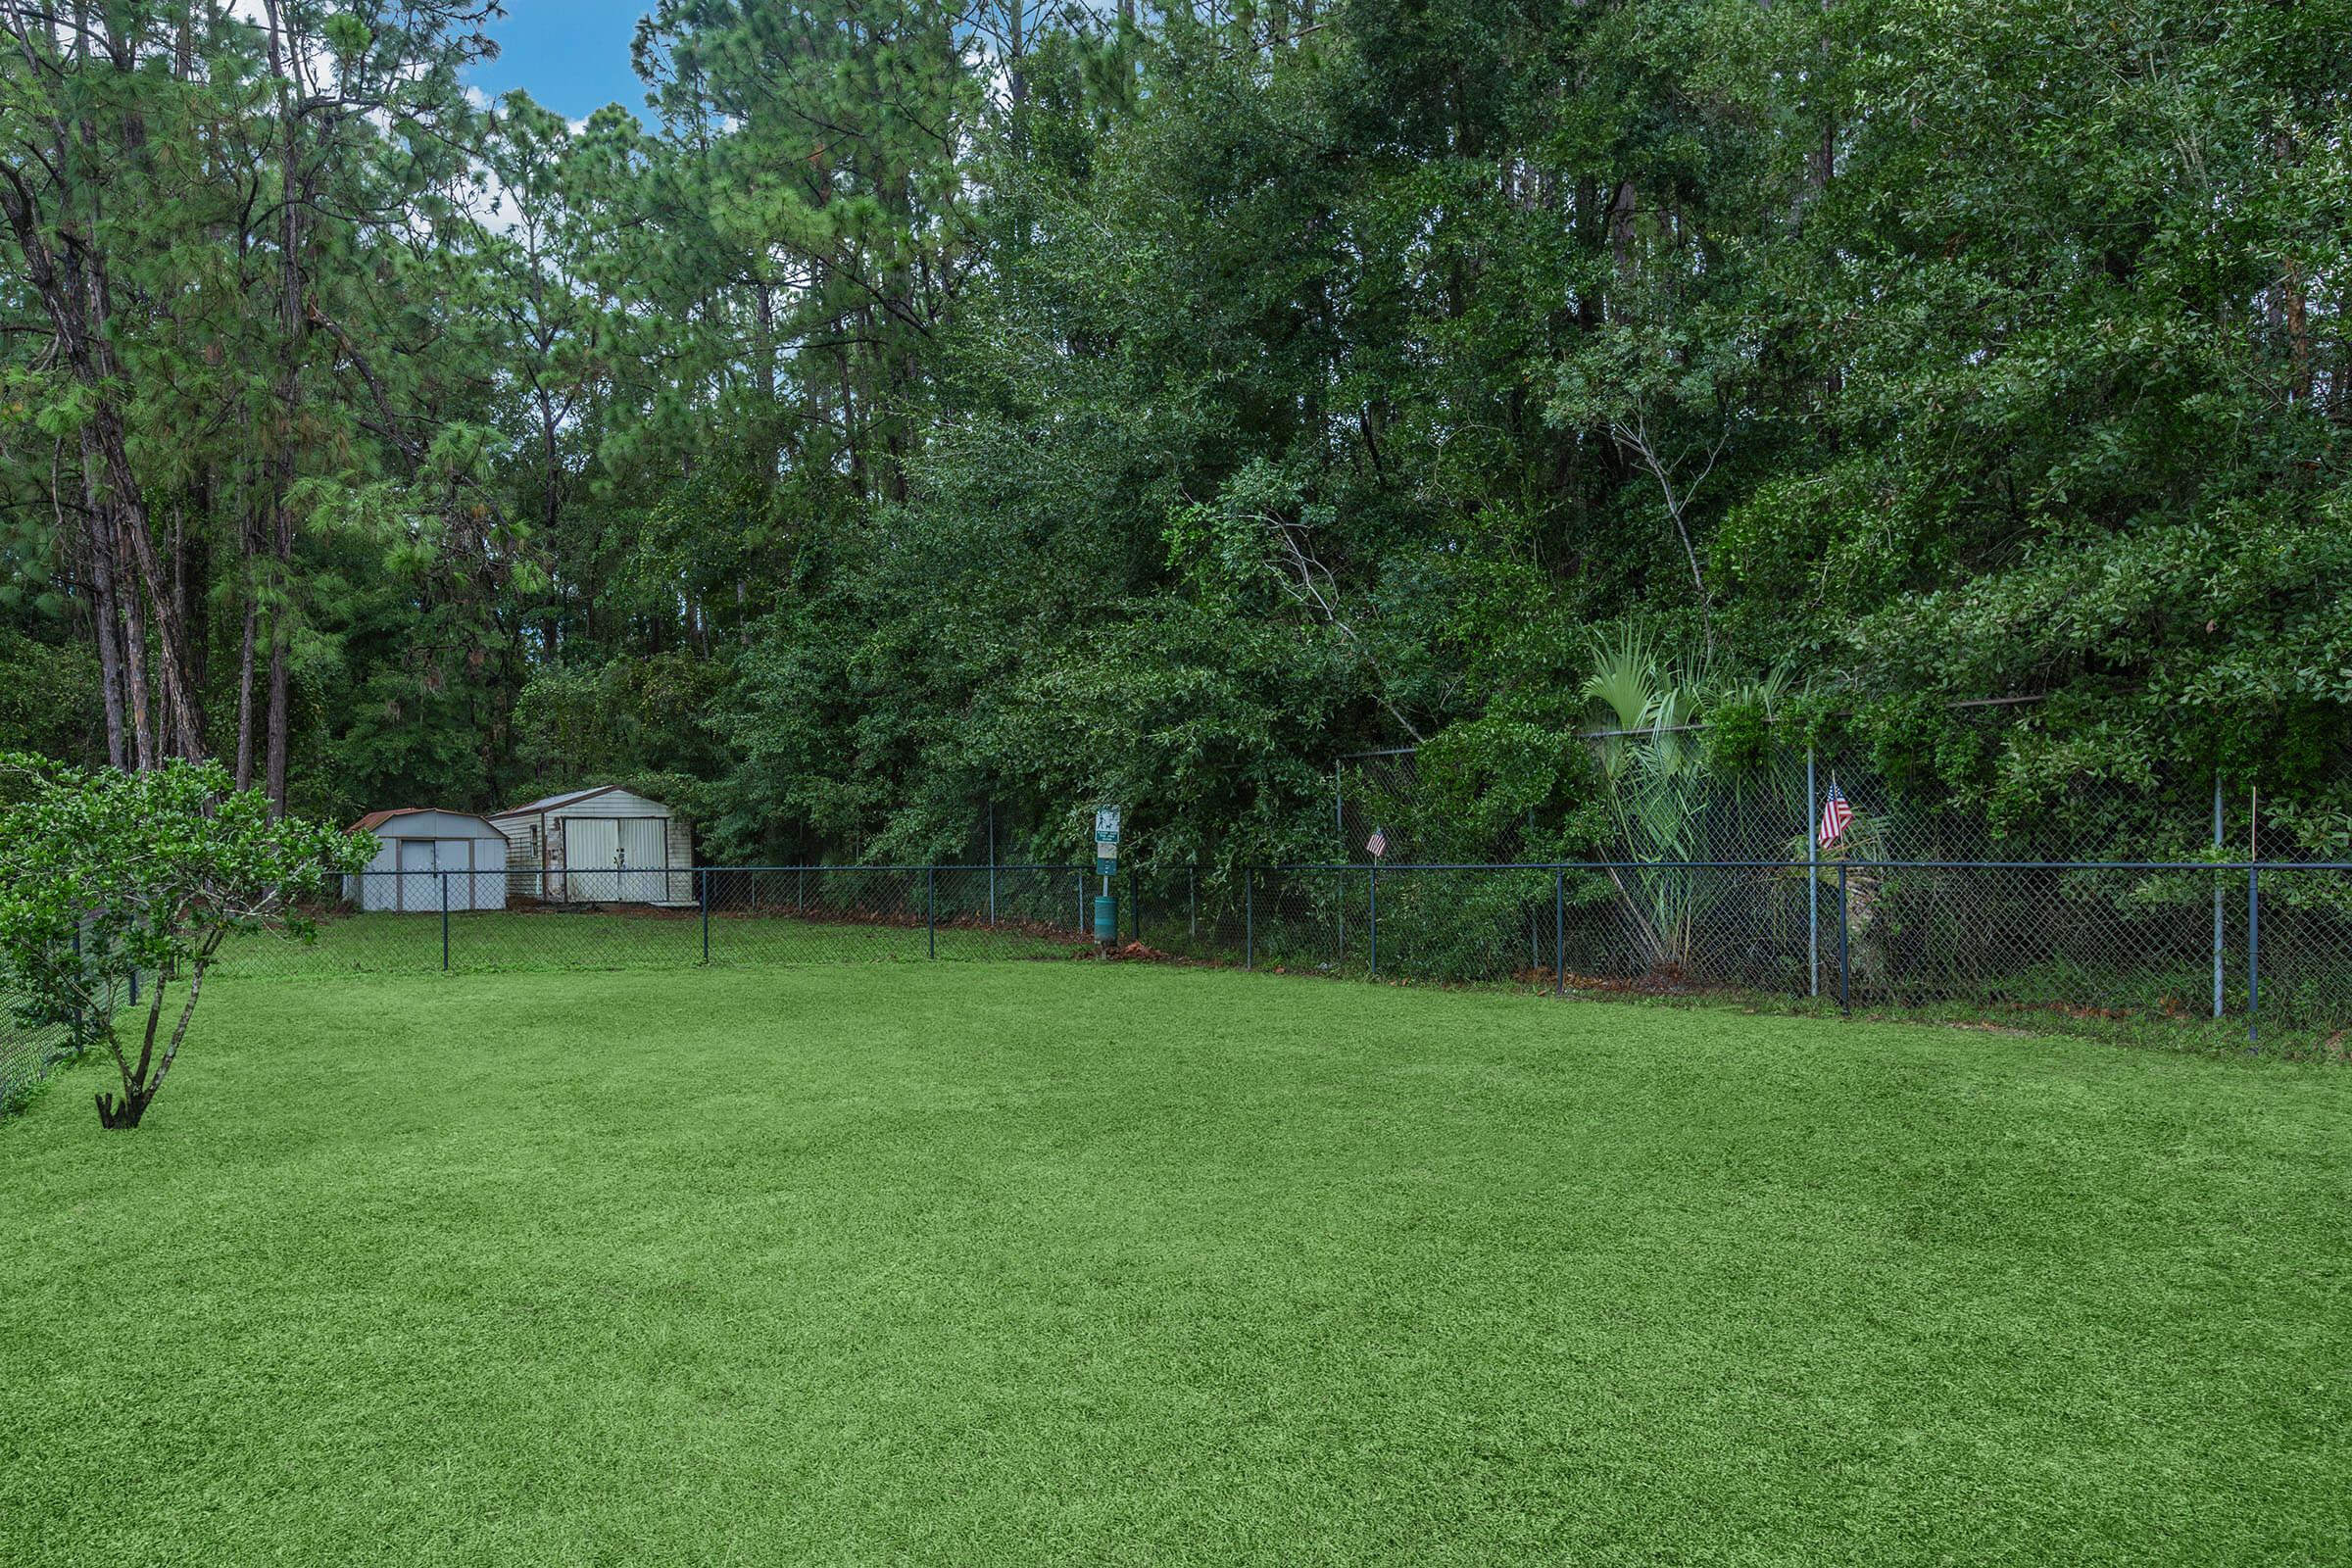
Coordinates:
(1377, 842)
(1835, 817)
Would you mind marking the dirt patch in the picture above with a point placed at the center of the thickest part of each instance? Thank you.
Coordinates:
(1665, 982)
(1131, 952)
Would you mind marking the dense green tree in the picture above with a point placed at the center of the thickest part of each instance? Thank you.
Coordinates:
(922, 417)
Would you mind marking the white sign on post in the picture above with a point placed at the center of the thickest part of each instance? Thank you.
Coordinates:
(1106, 840)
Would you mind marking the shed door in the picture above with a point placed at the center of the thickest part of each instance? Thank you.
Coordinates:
(644, 855)
(591, 858)
(420, 889)
(487, 878)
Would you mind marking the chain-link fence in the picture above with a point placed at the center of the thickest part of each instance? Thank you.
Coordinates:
(29, 1050)
(1663, 798)
(727, 916)
(2259, 951)
(2259, 943)
(2262, 949)
(26, 1053)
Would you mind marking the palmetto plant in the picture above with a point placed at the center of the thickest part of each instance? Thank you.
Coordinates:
(1655, 773)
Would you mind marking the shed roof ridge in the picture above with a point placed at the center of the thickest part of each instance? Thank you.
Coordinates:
(547, 803)
(375, 820)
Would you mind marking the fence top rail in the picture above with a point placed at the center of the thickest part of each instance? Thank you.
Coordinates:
(696, 870)
(1827, 865)
(935, 865)
(2012, 700)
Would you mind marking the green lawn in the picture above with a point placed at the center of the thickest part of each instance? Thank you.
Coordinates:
(1057, 1262)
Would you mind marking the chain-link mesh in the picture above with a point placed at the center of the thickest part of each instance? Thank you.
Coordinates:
(1665, 799)
(26, 1053)
(2179, 942)
(850, 914)
(1386, 790)
(396, 921)
(2114, 941)
(2068, 911)
(2304, 950)
(31, 1051)
(1186, 911)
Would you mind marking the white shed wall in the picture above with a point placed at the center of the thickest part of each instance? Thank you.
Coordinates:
(544, 860)
(413, 851)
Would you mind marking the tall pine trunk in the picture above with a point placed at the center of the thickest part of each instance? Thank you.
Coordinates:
(245, 652)
(109, 637)
(286, 64)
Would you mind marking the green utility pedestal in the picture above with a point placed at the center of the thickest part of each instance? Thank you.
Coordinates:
(1106, 919)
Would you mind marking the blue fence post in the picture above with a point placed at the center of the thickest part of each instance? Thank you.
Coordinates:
(1248, 917)
(705, 877)
(444, 875)
(931, 910)
(2253, 954)
(1559, 931)
(1372, 913)
(1846, 972)
(1812, 881)
(2217, 896)
(1338, 837)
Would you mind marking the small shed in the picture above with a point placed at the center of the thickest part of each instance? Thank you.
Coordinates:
(417, 844)
(599, 845)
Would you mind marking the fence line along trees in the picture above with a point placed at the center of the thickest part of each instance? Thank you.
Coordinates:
(111, 877)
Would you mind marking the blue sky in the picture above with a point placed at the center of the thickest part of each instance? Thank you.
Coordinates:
(570, 54)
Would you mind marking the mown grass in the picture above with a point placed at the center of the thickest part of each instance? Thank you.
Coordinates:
(1047, 1263)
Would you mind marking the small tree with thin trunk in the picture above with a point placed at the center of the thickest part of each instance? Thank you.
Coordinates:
(112, 883)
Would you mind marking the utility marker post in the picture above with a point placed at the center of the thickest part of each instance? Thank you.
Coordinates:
(1106, 866)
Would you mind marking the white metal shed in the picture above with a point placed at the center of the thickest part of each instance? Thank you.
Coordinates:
(418, 844)
(601, 845)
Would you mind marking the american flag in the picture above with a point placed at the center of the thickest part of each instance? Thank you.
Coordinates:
(1377, 842)
(1835, 817)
